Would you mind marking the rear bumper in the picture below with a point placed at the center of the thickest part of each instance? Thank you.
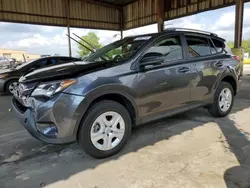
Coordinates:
(50, 112)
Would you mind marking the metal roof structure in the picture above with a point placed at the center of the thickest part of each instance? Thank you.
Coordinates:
(116, 2)
(101, 14)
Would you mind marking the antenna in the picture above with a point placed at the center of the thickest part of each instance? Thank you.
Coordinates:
(80, 43)
(92, 46)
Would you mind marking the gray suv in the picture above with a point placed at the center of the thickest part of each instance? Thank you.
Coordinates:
(127, 83)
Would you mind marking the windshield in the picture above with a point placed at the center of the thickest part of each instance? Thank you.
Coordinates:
(119, 50)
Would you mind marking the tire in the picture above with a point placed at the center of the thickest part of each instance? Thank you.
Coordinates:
(93, 125)
(7, 87)
(215, 109)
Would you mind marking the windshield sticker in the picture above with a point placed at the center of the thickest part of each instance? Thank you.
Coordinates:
(143, 38)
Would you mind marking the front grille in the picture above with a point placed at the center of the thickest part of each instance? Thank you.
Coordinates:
(19, 106)
(25, 89)
(23, 92)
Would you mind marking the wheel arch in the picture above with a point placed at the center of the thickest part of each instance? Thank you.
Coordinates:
(119, 95)
(232, 81)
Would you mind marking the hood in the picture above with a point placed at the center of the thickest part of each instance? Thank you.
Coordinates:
(63, 71)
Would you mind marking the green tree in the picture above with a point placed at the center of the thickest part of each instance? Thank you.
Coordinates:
(230, 44)
(245, 45)
(93, 39)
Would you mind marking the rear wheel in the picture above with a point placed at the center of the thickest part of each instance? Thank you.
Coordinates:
(105, 129)
(12, 86)
(223, 100)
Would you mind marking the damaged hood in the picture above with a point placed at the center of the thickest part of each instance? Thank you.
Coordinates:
(67, 70)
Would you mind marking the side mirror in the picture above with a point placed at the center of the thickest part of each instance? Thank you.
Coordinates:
(147, 61)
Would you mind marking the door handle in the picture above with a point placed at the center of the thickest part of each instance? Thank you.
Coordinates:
(183, 70)
(219, 64)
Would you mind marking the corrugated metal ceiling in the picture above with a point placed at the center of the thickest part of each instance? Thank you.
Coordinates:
(100, 14)
(116, 2)
(75, 13)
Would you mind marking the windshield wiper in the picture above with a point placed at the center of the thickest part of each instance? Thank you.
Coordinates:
(80, 43)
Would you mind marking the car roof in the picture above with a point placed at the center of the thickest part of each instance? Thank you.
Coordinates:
(181, 30)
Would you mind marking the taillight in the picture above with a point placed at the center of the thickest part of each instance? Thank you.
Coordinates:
(235, 57)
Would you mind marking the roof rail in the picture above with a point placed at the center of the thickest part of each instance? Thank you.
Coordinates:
(191, 30)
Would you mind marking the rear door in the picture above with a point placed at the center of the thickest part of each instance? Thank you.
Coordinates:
(206, 59)
(164, 87)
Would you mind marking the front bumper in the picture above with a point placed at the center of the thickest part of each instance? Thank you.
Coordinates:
(61, 111)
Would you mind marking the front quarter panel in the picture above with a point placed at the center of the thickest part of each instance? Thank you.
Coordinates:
(100, 83)
(120, 75)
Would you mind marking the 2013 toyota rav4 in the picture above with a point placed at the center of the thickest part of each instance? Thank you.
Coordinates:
(129, 82)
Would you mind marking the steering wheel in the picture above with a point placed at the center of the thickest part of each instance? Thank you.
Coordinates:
(117, 57)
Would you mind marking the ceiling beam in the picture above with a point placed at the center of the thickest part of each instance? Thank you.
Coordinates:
(96, 2)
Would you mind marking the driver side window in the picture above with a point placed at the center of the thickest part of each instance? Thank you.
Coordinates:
(168, 49)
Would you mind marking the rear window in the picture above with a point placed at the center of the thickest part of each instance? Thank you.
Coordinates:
(218, 45)
(221, 47)
(228, 49)
(212, 47)
(198, 46)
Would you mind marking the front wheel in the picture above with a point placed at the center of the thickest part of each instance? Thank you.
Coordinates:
(105, 129)
(223, 100)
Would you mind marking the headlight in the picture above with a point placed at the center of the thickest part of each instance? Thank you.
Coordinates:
(3, 75)
(51, 88)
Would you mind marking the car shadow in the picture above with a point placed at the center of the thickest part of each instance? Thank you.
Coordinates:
(64, 161)
(236, 137)
(236, 140)
(237, 176)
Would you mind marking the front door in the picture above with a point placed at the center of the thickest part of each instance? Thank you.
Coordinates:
(164, 87)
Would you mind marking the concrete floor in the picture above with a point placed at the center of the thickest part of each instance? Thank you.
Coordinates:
(247, 69)
(189, 150)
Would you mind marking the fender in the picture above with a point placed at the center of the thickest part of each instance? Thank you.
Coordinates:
(101, 91)
(229, 71)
